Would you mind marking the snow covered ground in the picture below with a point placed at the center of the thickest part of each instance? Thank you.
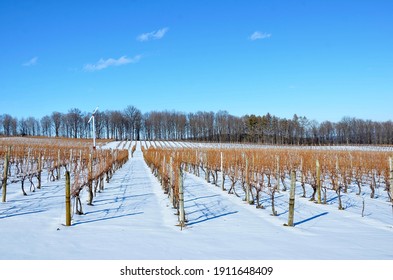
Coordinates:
(132, 219)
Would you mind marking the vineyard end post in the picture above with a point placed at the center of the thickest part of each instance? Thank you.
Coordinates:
(68, 199)
(5, 177)
(291, 211)
(182, 220)
(318, 182)
(391, 179)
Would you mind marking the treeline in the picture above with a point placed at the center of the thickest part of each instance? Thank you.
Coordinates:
(221, 126)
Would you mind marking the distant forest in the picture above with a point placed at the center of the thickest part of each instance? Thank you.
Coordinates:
(221, 126)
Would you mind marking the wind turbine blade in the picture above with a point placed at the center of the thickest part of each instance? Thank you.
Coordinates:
(90, 119)
(95, 110)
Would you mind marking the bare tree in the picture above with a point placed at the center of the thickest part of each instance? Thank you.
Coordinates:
(132, 116)
(46, 126)
(9, 125)
(57, 120)
(74, 118)
(100, 124)
(1, 124)
(117, 124)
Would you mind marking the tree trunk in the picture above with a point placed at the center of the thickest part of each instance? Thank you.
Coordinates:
(101, 183)
(314, 191)
(78, 205)
(23, 186)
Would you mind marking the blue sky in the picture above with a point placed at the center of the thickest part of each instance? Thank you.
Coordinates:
(319, 59)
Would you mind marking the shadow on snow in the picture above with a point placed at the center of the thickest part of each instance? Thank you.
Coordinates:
(105, 218)
(311, 218)
(20, 214)
(210, 218)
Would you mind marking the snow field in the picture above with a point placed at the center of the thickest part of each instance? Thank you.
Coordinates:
(133, 219)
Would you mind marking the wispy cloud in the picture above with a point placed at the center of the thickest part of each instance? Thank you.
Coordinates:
(259, 35)
(105, 63)
(31, 62)
(154, 35)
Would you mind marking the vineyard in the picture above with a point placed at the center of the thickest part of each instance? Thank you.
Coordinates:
(266, 172)
(170, 200)
(27, 161)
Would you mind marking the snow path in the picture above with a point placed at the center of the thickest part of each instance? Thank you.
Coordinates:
(132, 219)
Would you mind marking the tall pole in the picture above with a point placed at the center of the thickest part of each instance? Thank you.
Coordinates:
(391, 179)
(292, 199)
(94, 127)
(247, 183)
(318, 182)
(68, 199)
(94, 133)
(278, 172)
(39, 170)
(5, 175)
(58, 165)
(222, 173)
(182, 220)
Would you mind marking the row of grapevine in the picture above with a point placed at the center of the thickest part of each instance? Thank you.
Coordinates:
(166, 165)
(89, 168)
(265, 172)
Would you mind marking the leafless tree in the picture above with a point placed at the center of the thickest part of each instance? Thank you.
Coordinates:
(74, 118)
(132, 116)
(57, 120)
(46, 126)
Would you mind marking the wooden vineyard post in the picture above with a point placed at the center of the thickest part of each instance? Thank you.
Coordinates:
(302, 177)
(58, 165)
(391, 178)
(39, 170)
(278, 172)
(207, 171)
(318, 182)
(68, 199)
(292, 199)
(5, 175)
(247, 183)
(71, 159)
(222, 173)
(182, 220)
(163, 173)
(196, 163)
(247, 198)
(170, 190)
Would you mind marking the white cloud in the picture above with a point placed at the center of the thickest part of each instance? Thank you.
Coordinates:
(104, 63)
(31, 62)
(154, 35)
(259, 35)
